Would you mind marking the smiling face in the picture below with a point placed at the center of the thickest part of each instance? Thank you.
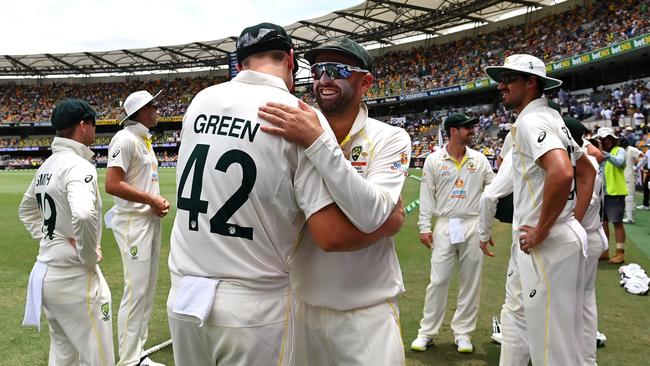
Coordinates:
(513, 89)
(340, 96)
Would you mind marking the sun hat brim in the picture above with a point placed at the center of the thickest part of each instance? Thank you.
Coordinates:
(494, 72)
(142, 104)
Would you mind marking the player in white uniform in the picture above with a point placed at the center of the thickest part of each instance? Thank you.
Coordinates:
(243, 199)
(452, 181)
(552, 244)
(597, 242)
(62, 208)
(132, 178)
(347, 310)
(632, 156)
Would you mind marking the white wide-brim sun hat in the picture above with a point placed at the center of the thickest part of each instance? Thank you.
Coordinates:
(135, 101)
(523, 63)
(606, 131)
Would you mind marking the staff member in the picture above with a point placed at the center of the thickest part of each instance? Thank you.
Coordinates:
(132, 178)
(452, 181)
(62, 208)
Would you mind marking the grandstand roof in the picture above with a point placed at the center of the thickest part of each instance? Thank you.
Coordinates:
(370, 22)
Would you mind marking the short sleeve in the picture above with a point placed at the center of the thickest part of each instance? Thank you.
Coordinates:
(541, 136)
(120, 152)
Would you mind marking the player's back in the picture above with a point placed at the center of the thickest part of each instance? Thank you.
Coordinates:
(237, 216)
(50, 189)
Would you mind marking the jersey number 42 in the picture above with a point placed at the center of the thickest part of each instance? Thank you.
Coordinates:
(194, 205)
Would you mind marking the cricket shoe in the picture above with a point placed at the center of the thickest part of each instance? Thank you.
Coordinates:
(601, 340)
(496, 336)
(420, 344)
(149, 362)
(464, 344)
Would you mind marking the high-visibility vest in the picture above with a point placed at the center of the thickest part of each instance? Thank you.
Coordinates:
(614, 177)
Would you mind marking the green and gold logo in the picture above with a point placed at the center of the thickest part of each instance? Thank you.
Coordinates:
(133, 251)
(106, 312)
(356, 152)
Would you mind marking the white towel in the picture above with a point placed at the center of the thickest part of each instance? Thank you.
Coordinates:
(195, 296)
(35, 296)
(603, 237)
(581, 233)
(108, 218)
(456, 232)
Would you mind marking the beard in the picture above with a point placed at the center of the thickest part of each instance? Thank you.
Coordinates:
(336, 106)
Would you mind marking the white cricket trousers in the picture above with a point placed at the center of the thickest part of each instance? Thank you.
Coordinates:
(443, 256)
(245, 328)
(590, 326)
(364, 336)
(541, 310)
(77, 304)
(629, 199)
(138, 238)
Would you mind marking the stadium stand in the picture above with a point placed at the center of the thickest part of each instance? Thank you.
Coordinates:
(591, 27)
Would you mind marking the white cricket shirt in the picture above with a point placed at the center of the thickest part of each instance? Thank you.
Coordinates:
(243, 196)
(538, 130)
(62, 203)
(450, 188)
(130, 149)
(500, 186)
(631, 156)
(379, 155)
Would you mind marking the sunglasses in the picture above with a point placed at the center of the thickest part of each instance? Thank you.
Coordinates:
(511, 78)
(334, 70)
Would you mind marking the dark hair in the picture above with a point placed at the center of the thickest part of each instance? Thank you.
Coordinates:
(67, 132)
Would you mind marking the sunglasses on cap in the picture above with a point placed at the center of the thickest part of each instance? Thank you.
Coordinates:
(334, 70)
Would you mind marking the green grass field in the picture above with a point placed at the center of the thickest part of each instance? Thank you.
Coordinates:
(623, 317)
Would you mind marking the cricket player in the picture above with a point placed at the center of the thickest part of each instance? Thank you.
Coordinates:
(597, 242)
(62, 209)
(347, 310)
(552, 244)
(632, 156)
(452, 181)
(132, 179)
(243, 199)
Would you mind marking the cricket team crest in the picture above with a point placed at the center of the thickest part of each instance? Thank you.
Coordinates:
(134, 252)
(356, 152)
(106, 312)
(359, 159)
(471, 166)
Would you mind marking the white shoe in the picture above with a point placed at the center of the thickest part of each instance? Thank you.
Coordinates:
(601, 340)
(645, 208)
(497, 337)
(420, 344)
(464, 344)
(149, 362)
(628, 221)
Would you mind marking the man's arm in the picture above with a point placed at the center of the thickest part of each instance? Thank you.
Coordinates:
(500, 186)
(585, 177)
(29, 213)
(557, 186)
(427, 202)
(617, 159)
(116, 186)
(333, 232)
(366, 202)
(82, 198)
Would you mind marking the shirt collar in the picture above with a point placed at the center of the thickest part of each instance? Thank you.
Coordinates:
(358, 124)
(255, 77)
(137, 129)
(60, 144)
(539, 102)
